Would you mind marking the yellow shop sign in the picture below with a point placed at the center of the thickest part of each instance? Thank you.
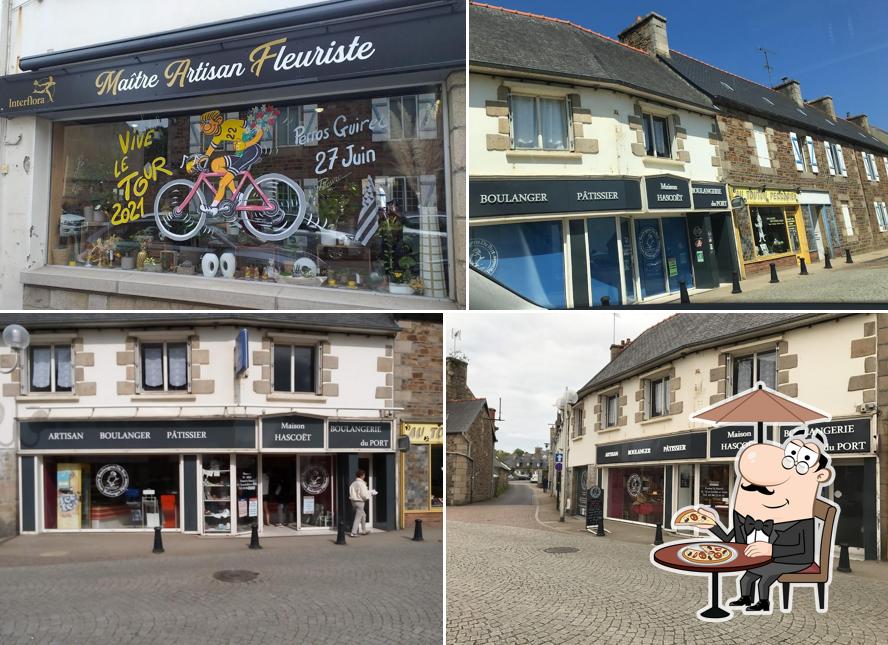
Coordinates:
(758, 196)
(423, 432)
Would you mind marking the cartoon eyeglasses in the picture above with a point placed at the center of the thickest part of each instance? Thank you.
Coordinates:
(799, 457)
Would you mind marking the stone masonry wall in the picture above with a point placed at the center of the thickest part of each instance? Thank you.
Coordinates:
(418, 356)
(8, 494)
(882, 429)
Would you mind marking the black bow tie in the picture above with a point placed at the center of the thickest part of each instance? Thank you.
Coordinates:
(751, 524)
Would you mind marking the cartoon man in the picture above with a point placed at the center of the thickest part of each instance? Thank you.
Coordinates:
(247, 152)
(774, 510)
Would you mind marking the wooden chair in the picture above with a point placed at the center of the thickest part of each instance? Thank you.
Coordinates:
(815, 574)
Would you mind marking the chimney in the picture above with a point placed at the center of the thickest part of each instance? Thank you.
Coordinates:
(492, 413)
(861, 121)
(825, 104)
(616, 350)
(457, 388)
(647, 34)
(792, 89)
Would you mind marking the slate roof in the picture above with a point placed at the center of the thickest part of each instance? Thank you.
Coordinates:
(461, 414)
(520, 41)
(729, 89)
(384, 323)
(689, 332)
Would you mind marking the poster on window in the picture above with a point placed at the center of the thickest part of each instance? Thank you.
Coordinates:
(69, 486)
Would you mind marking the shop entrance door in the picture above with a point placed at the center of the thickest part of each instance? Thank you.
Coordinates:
(580, 488)
(812, 223)
(725, 247)
(848, 494)
(628, 264)
(649, 249)
(279, 492)
(366, 464)
(703, 253)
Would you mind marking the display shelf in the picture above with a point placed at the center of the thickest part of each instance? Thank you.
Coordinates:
(215, 479)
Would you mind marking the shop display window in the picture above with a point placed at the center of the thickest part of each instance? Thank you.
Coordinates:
(636, 493)
(119, 492)
(770, 231)
(316, 484)
(50, 368)
(604, 259)
(715, 491)
(527, 258)
(247, 492)
(216, 494)
(340, 193)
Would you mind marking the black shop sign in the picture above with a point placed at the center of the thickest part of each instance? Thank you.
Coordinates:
(594, 505)
(360, 47)
(295, 432)
(359, 435)
(708, 197)
(843, 436)
(726, 441)
(666, 191)
(671, 448)
(497, 197)
(131, 434)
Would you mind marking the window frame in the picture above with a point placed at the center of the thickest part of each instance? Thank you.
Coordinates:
(800, 162)
(538, 125)
(756, 130)
(606, 409)
(840, 159)
(315, 372)
(812, 153)
(756, 375)
(649, 391)
(53, 369)
(647, 128)
(140, 367)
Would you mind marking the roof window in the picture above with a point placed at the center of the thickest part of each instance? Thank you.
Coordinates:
(726, 85)
(767, 100)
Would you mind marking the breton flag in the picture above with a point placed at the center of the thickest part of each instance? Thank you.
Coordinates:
(368, 222)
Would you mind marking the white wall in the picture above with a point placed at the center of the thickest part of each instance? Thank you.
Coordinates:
(610, 126)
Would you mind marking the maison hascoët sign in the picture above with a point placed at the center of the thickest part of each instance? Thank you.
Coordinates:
(726, 441)
(666, 191)
(293, 431)
(419, 39)
(138, 434)
(497, 197)
(684, 446)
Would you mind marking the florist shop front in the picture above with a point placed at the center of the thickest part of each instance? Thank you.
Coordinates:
(301, 160)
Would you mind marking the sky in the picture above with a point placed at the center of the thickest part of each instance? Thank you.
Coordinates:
(528, 358)
(831, 47)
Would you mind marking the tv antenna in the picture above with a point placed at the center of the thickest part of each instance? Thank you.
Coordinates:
(455, 336)
(767, 64)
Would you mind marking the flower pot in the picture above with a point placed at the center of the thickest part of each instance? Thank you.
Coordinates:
(400, 289)
(128, 262)
(61, 255)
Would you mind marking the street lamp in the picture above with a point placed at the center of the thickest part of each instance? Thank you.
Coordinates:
(16, 338)
(564, 401)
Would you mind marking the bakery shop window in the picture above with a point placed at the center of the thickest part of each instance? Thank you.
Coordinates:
(770, 231)
(636, 494)
(341, 194)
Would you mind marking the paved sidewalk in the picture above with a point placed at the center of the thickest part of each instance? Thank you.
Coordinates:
(110, 588)
(866, 280)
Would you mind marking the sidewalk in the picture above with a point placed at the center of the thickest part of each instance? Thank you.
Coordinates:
(547, 514)
(866, 280)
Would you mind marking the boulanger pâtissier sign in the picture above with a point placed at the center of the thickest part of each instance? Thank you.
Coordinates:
(419, 38)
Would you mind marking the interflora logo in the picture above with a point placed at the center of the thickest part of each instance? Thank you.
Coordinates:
(40, 95)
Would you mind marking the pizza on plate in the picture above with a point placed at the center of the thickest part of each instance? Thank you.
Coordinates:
(690, 517)
(708, 554)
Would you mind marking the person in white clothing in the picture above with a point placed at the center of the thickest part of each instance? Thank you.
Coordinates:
(358, 493)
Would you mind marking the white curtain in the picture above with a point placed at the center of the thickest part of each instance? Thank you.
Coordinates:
(153, 357)
(178, 358)
(523, 122)
(40, 366)
(63, 367)
(553, 123)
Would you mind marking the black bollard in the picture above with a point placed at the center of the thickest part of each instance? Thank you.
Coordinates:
(826, 263)
(658, 536)
(683, 288)
(774, 277)
(605, 301)
(340, 534)
(848, 259)
(804, 267)
(736, 279)
(254, 537)
(600, 532)
(844, 559)
(158, 541)
(417, 531)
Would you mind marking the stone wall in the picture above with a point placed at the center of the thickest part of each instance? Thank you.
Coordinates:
(882, 430)
(8, 494)
(419, 352)
(456, 100)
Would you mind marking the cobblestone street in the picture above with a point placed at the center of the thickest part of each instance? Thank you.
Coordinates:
(378, 589)
(502, 587)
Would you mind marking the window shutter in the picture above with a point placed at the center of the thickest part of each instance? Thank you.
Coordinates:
(427, 117)
(875, 167)
(797, 151)
(310, 121)
(866, 167)
(810, 143)
(846, 215)
(666, 395)
(647, 399)
(885, 159)
(841, 159)
(380, 125)
(829, 158)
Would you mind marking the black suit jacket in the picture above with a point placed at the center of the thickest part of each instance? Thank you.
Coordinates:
(793, 542)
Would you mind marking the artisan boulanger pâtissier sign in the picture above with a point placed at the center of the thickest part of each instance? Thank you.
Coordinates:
(355, 48)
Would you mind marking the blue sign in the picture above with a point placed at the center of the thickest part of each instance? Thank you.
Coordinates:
(558, 466)
(559, 457)
(241, 352)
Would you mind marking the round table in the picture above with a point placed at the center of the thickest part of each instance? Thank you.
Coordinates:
(667, 556)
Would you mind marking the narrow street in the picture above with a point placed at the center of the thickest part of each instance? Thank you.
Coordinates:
(504, 587)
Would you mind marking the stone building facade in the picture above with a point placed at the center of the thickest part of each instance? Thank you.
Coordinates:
(471, 437)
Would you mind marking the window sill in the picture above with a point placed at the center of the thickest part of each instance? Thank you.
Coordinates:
(296, 396)
(163, 396)
(655, 420)
(48, 397)
(577, 438)
(610, 429)
(663, 162)
(209, 293)
(564, 155)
